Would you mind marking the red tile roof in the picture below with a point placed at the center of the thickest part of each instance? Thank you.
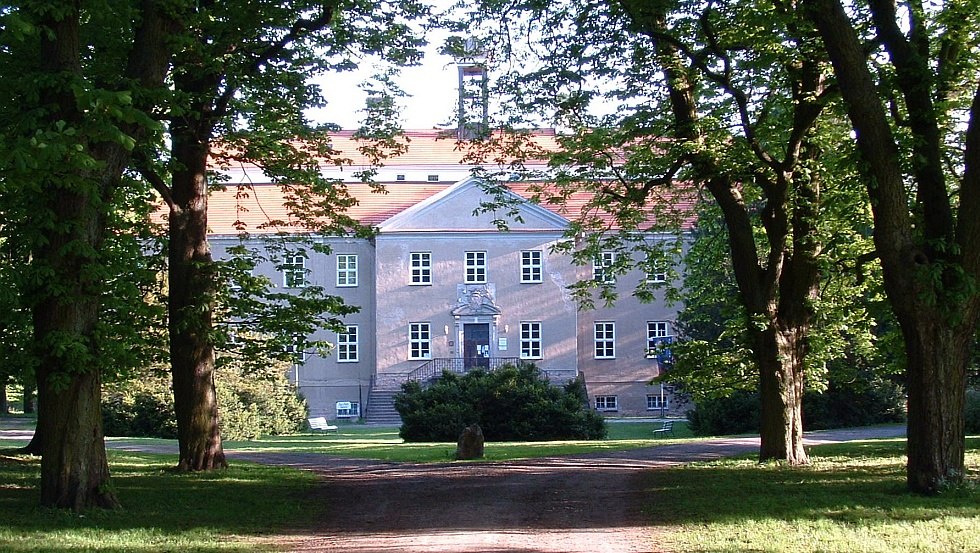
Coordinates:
(254, 208)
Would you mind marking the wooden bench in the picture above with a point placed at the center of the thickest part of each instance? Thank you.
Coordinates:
(665, 429)
(320, 423)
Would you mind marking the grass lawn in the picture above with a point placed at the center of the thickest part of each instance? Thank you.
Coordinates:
(852, 499)
(384, 444)
(222, 511)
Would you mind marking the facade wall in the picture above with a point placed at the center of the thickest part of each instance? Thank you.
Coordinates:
(401, 302)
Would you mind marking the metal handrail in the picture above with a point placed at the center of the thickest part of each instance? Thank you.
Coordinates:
(433, 368)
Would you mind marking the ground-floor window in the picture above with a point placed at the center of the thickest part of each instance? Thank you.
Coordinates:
(348, 409)
(606, 403)
(657, 402)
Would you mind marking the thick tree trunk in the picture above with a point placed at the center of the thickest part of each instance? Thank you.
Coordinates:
(191, 303)
(938, 316)
(4, 406)
(781, 370)
(74, 468)
(937, 361)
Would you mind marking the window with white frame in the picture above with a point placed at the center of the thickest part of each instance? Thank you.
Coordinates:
(346, 270)
(655, 272)
(658, 332)
(531, 266)
(530, 340)
(347, 342)
(605, 340)
(657, 402)
(606, 403)
(421, 263)
(294, 271)
(295, 349)
(476, 268)
(602, 267)
(420, 341)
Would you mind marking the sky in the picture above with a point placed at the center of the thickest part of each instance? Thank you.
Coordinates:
(432, 89)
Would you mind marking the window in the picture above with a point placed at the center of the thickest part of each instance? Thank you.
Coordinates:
(602, 268)
(420, 341)
(606, 403)
(296, 350)
(605, 340)
(294, 271)
(655, 273)
(476, 268)
(399, 177)
(658, 332)
(433, 178)
(531, 266)
(346, 270)
(348, 409)
(656, 402)
(347, 345)
(530, 340)
(421, 267)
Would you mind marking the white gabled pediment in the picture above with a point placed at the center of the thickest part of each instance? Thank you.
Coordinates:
(454, 209)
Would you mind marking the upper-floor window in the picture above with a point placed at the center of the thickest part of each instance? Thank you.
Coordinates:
(421, 267)
(530, 340)
(602, 267)
(476, 268)
(531, 266)
(605, 340)
(658, 332)
(656, 273)
(346, 270)
(432, 178)
(420, 341)
(347, 342)
(294, 271)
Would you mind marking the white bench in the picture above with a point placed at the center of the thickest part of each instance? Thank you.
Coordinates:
(665, 429)
(320, 423)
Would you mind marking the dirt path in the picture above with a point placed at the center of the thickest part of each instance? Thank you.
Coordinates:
(586, 503)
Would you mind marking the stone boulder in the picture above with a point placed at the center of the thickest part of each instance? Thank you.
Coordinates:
(470, 444)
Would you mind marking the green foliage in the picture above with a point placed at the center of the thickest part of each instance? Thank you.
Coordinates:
(249, 406)
(140, 408)
(509, 404)
(862, 402)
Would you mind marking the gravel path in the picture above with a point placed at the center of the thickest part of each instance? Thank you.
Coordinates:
(574, 504)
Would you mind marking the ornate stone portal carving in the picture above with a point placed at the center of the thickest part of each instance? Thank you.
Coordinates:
(475, 300)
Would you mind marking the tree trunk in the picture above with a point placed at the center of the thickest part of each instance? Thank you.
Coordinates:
(4, 406)
(781, 370)
(937, 361)
(74, 468)
(191, 303)
(930, 269)
(28, 399)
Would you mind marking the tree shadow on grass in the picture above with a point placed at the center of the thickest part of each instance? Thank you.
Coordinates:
(856, 483)
(162, 510)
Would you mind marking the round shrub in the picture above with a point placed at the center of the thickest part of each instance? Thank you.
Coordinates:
(513, 403)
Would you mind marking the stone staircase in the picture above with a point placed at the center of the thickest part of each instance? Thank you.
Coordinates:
(381, 403)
